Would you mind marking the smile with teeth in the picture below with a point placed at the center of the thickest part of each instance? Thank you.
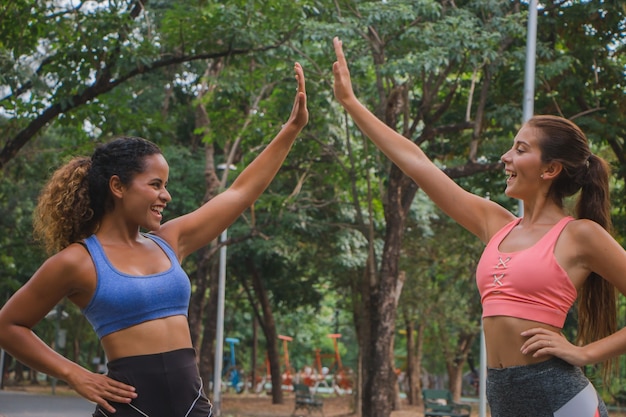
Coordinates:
(510, 174)
(157, 209)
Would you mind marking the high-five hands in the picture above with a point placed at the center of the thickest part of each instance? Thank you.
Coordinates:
(343, 84)
(299, 116)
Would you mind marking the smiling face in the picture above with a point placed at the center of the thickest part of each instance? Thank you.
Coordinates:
(523, 164)
(146, 196)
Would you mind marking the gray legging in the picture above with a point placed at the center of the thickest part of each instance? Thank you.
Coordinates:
(167, 385)
(552, 388)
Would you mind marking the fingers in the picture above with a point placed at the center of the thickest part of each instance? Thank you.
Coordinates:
(342, 86)
(339, 51)
(117, 395)
(301, 96)
(122, 390)
(538, 347)
(101, 389)
(300, 77)
(540, 341)
(104, 404)
(299, 113)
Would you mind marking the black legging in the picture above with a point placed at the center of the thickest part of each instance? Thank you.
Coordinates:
(167, 385)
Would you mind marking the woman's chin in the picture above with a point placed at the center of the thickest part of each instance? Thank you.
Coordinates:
(509, 193)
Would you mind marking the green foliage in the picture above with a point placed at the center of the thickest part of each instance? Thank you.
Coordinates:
(439, 290)
(19, 189)
(311, 232)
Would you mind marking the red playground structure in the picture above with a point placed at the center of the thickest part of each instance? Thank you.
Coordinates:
(333, 378)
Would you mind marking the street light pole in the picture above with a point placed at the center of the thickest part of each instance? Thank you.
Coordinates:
(2, 356)
(528, 105)
(219, 332)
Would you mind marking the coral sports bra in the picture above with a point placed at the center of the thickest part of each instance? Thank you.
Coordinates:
(527, 284)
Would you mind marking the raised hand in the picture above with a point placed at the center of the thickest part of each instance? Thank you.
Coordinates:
(343, 85)
(299, 113)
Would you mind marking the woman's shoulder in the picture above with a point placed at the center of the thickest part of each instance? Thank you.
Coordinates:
(584, 227)
(72, 255)
(71, 266)
(586, 234)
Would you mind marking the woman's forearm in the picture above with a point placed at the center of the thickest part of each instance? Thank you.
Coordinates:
(25, 346)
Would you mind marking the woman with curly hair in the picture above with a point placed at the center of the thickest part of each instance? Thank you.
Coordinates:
(130, 284)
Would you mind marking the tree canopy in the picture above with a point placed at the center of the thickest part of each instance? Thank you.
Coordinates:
(342, 241)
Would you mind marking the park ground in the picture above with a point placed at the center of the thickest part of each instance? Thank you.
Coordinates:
(260, 405)
(254, 406)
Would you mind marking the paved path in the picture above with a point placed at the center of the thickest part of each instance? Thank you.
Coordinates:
(22, 404)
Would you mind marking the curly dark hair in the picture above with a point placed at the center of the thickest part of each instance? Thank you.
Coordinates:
(77, 195)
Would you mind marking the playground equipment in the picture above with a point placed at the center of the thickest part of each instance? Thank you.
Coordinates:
(264, 382)
(333, 378)
(287, 376)
(230, 370)
(342, 377)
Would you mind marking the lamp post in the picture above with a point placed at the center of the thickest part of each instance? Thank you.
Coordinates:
(2, 356)
(219, 332)
(57, 314)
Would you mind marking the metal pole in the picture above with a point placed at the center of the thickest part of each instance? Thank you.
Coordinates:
(2, 356)
(221, 293)
(57, 331)
(531, 50)
(529, 72)
(219, 333)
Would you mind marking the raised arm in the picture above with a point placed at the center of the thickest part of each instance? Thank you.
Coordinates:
(476, 214)
(194, 230)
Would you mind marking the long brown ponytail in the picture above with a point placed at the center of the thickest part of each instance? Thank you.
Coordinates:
(588, 174)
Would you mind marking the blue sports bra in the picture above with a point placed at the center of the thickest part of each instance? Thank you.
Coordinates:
(122, 300)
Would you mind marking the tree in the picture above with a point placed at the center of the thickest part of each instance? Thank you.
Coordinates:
(58, 58)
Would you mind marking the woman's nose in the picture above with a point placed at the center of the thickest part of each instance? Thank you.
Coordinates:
(166, 196)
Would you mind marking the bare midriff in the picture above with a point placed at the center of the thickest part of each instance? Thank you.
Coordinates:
(150, 337)
(503, 341)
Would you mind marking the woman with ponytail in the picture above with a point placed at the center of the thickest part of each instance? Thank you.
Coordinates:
(534, 268)
(130, 284)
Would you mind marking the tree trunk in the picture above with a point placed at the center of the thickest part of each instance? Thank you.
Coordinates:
(255, 344)
(413, 387)
(360, 312)
(207, 345)
(419, 354)
(455, 363)
(265, 316)
(379, 375)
